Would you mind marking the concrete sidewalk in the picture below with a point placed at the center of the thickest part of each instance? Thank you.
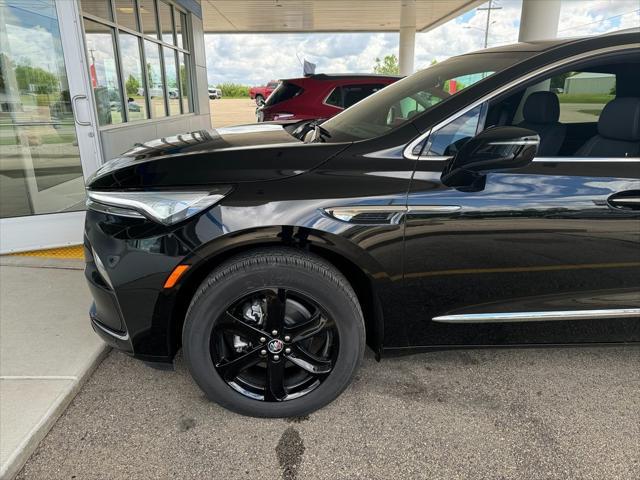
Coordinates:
(47, 350)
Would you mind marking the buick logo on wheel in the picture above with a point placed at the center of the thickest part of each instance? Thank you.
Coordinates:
(275, 346)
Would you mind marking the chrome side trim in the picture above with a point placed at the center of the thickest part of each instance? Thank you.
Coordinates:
(395, 212)
(434, 158)
(433, 208)
(347, 214)
(623, 200)
(407, 151)
(538, 316)
(586, 159)
(110, 332)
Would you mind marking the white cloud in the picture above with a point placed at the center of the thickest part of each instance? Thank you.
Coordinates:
(256, 58)
(580, 17)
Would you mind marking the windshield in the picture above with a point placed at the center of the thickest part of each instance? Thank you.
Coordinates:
(401, 101)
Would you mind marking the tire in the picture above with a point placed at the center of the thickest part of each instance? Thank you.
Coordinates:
(259, 98)
(299, 274)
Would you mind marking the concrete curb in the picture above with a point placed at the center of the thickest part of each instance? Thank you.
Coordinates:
(16, 461)
(39, 262)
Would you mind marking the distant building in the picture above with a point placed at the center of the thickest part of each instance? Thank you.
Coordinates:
(589, 82)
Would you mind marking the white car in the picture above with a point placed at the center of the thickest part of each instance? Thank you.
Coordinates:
(214, 93)
(156, 91)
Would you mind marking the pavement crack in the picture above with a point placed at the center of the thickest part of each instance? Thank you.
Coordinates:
(289, 451)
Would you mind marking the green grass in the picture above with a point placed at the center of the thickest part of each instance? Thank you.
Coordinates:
(233, 90)
(584, 98)
(595, 111)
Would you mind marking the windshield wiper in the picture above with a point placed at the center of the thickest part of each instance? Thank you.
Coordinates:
(320, 134)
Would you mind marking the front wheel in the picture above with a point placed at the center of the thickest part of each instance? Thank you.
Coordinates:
(274, 333)
(259, 99)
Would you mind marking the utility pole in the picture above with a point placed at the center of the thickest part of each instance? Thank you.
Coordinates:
(486, 30)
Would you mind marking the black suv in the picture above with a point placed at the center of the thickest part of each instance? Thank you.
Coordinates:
(491, 199)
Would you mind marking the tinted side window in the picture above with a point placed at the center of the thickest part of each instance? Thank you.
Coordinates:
(335, 98)
(448, 139)
(285, 91)
(566, 109)
(583, 95)
(352, 94)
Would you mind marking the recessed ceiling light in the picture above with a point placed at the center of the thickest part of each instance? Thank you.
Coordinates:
(125, 9)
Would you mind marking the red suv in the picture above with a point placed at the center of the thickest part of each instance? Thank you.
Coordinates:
(319, 96)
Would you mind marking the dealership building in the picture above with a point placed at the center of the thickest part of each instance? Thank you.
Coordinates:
(82, 81)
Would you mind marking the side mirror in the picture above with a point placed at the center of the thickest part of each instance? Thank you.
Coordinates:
(497, 148)
(261, 102)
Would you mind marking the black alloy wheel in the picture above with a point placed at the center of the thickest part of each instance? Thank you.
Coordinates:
(274, 345)
(274, 332)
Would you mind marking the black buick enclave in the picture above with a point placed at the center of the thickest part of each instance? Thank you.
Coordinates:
(490, 199)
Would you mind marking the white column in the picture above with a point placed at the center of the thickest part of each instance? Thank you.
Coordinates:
(539, 20)
(407, 36)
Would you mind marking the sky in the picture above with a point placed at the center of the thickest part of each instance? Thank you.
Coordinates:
(254, 59)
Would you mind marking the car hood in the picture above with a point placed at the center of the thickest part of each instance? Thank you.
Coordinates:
(241, 153)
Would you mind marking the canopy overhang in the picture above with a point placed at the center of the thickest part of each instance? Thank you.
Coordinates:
(291, 16)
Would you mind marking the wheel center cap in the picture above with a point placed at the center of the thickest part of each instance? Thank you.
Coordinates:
(275, 346)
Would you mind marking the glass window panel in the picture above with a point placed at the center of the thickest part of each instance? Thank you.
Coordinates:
(171, 77)
(166, 23)
(335, 97)
(99, 8)
(40, 169)
(449, 139)
(352, 94)
(148, 17)
(185, 84)
(154, 79)
(103, 72)
(285, 91)
(582, 95)
(181, 21)
(132, 76)
(372, 117)
(126, 14)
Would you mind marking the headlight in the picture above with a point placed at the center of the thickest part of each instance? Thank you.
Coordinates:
(166, 207)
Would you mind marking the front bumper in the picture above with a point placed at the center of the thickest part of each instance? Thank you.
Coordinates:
(131, 310)
(113, 338)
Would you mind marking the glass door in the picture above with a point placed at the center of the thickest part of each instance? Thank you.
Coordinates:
(48, 139)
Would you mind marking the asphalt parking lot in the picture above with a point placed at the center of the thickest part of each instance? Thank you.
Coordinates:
(504, 414)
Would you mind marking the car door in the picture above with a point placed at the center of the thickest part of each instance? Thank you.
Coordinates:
(547, 253)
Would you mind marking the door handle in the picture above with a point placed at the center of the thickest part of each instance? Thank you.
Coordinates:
(628, 200)
(74, 104)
